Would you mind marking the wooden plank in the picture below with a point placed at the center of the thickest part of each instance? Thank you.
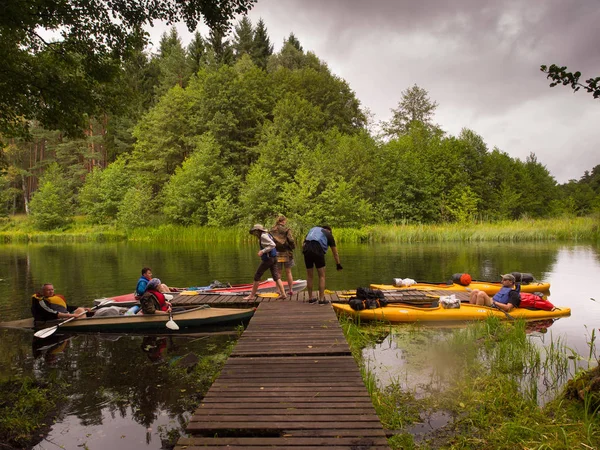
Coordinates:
(291, 440)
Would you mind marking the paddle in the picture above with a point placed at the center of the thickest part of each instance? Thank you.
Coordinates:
(46, 332)
(171, 325)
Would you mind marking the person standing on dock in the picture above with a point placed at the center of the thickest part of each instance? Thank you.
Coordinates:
(314, 249)
(285, 245)
(268, 256)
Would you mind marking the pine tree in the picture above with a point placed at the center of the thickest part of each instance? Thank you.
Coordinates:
(262, 48)
(172, 61)
(243, 40)
(221, 47)
(196, 52)
(292, 39)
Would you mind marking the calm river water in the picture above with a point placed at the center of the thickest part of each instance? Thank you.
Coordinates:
(115, 406)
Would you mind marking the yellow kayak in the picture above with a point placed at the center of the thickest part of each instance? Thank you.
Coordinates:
(404, 313)
(488, 287)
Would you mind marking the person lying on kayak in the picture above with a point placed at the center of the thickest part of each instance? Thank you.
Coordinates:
(143, 283)
(46, 305)
(268, 257)
(505, 299)
(153, 301)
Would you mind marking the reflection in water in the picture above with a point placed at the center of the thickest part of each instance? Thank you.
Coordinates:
(122, 388)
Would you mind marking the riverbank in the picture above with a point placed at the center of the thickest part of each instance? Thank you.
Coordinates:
(482, 388)
(19, 230)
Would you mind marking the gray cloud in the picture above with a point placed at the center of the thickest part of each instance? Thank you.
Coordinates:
(479, 59)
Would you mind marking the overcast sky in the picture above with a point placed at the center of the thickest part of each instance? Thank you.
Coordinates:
(478, 59)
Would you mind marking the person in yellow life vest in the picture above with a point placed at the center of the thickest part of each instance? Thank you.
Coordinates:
(49, 306)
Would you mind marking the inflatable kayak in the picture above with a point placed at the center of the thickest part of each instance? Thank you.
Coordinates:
(266, 286)
(403, 313)
(489, 287)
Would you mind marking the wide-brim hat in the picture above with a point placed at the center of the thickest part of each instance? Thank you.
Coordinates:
(258, 227)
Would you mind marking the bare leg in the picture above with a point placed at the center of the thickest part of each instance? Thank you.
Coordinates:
(321, 273)
(483, 299)
(290, 279)
(281, 288)
(309, 282)
(252, 295)
(473, 296)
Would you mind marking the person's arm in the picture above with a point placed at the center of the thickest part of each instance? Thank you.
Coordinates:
(513, 299)
(334, 252)
(290, 240)
(266, 243)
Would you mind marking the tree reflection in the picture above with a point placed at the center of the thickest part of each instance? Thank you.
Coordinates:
(127, 375)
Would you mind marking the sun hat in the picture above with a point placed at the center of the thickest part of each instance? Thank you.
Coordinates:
(258, 227)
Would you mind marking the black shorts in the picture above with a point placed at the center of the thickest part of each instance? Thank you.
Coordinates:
(316, 259)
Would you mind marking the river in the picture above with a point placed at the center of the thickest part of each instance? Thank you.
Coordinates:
(108, 373)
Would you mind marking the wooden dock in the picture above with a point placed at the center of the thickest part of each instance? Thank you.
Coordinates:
(290, 383)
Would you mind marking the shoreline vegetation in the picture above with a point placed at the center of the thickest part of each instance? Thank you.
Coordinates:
(18, 230)
(493, 387)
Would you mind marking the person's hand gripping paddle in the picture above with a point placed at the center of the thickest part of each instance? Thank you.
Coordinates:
(47, 332)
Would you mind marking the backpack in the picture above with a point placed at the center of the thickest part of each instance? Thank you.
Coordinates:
(524, 278)
(367, 298)
(534, 301)
(282, 243)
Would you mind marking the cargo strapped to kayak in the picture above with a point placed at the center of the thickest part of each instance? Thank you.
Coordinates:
(367, 298)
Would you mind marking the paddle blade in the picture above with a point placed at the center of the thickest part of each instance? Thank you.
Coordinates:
(171, 325)
(46, 332)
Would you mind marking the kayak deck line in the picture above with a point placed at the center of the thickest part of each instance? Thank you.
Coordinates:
(290, 381)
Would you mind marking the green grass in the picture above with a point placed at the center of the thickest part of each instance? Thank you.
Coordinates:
(19, 229)
(25, 407)
(485, 377)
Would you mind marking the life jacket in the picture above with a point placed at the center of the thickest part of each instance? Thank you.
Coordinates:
(533, 301)
(155, 299)
(272, 253)
(316, 234)
(503, 295)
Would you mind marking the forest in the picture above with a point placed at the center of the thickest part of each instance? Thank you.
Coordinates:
(224, 131)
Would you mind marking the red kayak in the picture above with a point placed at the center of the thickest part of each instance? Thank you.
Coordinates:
(237, 289)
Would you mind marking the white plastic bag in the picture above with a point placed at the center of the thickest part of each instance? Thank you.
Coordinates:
(403, 282)
(449, 301)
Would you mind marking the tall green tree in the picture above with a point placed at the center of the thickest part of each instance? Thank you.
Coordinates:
(262, 49)
(173, 63)
(220, 46)
(52, 204)
(415, 106)
(59, 82)
(243, 38)
(197, 53)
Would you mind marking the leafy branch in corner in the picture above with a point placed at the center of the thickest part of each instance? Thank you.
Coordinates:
(559, 75)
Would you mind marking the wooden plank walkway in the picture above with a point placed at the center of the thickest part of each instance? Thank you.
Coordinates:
(237, 300)
(290, 383)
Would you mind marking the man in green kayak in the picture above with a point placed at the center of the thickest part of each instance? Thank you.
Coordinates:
(505, 299)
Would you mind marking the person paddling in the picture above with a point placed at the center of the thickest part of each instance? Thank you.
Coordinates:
(153, 301)
(46, 305)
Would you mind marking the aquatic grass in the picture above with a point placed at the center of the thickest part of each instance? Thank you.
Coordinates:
(24, 408)
(176, 233)
(491, 371)
(563, 229)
